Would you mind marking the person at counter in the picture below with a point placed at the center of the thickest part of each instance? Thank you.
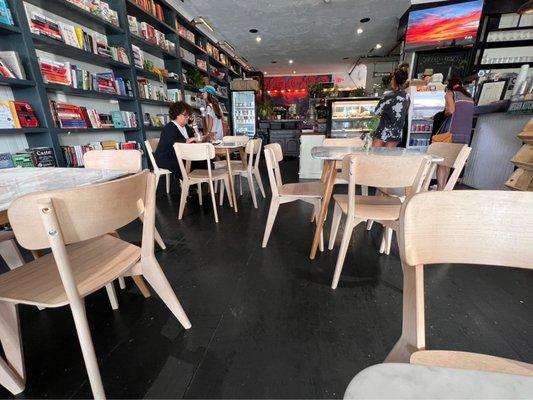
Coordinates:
(177, 131)
(393, 109)
(213, 113)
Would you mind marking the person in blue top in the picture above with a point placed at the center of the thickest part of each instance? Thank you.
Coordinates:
(393, 109)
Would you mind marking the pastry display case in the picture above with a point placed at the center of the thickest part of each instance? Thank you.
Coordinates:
(350, 116)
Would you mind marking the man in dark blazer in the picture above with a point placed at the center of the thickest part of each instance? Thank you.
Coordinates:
(176, 131)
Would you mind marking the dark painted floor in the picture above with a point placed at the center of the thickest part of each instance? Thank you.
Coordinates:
(265, 322)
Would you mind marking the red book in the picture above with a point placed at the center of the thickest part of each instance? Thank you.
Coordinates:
(26, 115)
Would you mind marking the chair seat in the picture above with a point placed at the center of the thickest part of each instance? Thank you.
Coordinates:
(304, 189)
(372, 207)
(393, 192)
(203, 174)
(164, 171)
(224, 164)
(94, 263)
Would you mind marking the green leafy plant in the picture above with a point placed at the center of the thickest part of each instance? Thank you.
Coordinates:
(266, 109)
(358, 92)
(315, 89)
(194, 77)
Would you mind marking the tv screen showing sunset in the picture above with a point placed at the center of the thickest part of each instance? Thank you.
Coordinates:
(444, 26)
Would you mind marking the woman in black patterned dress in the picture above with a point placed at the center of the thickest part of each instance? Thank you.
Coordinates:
(393, 109)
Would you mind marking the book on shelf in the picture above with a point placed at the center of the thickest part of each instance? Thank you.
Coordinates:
(6, 161)
(150, 34)
(138, 56)
(16, 115)
(39, 157)
(99, 8)
(185, 33)
(151, 91)
(43, 157)
(55, 72)
(202, 64)
(11, 65)
(155, 121)
(133, 25)
(41, 25)
(152, 7)
(22, 159)
(6, 17)
(70, 116)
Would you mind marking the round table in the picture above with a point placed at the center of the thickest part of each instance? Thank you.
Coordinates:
(409, 381)
(332, 154)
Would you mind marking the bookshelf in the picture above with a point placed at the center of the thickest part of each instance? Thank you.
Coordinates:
(35, 91)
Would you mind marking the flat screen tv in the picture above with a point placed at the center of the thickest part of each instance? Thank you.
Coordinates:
(443, 26)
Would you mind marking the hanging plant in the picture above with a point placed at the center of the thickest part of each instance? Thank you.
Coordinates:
(194, 77)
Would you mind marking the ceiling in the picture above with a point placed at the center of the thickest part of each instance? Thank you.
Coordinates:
(316, 35)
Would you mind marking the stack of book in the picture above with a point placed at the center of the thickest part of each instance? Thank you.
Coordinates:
(69, 116)
(201, 64)
(77, 37)
(63, 73)
(155, 121)
(151, 91)
(184, 32)
(151, 7)
(138, 56)
(99, 8)
(187, 55)
(11, 65)
(33, 157)
(74, 154)
(150, 34)
(16, 115)
(5, 13)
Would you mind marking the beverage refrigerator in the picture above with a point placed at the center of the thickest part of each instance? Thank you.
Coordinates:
(243, 113)
(426, 101)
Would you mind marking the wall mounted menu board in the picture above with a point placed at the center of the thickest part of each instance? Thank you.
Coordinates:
(447, 63)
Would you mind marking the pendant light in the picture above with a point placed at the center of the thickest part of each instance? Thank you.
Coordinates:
(527, 8)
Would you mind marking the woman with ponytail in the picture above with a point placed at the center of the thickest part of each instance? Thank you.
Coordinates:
(213, 113)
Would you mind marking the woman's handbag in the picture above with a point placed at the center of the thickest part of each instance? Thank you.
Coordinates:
(446, 137)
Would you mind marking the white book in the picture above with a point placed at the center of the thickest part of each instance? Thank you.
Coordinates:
(12, 61)
(69, 34)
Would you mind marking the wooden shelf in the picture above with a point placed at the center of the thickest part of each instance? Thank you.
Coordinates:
(23, 130)
(65, 9)
(144, 16)
(60, 48)
(85, 93)
(13, 82)
(152, 48)
(8, 29)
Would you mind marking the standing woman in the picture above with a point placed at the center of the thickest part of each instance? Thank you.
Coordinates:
(392, 109)
(213, 114)
(459, 113)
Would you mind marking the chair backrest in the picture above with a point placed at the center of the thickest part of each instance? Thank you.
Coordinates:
(253, 149)
(82, 213)
(194, 152)
(455, 156)
(468, 227)
(241, 139)
(151, 147)
(273, 155)
(125, 160)
(343, 142)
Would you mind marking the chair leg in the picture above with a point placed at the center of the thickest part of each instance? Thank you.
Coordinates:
(388, 242)
(159, 239)
(221, 196)
(112, 295)
(214, 201)
(318, 207)
(87, 348)
(259, 182)
(183, 200)
(228, 191)
(272, 212)
(156, 278)
(240, 185)
(12, 372)
(121, 282)
(11, 254)
(364, 190)
(369, 225)
(251, 185)
(139, 281)
(383, 241)
(199, 187)
(342, 251)
(167, 179)
(337, 215)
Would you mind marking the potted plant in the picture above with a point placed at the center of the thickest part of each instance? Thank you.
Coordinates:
(194, 77)
(314, 89)
(265, 110)
(358, 92)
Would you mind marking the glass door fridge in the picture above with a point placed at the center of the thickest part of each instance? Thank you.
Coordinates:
(350, 116)
(425, 103)
(243, 110)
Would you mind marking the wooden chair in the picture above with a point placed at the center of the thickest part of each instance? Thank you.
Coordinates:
(151, 147)
(310, 192)
(455, 156)
(242, 140)
(251, 170)
(373, 170)
(199, 152)
(485, 228)
(9, 250)
(344, 142)
(74, 223)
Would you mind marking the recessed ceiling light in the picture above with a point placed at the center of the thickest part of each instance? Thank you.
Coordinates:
(253, 30)
(273, 62)
(293, 72)
(290, 61)
(378, 46)
(365, 20)
(359, 31)
(258, 39)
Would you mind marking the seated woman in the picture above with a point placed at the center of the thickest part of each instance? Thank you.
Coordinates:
(177, 131)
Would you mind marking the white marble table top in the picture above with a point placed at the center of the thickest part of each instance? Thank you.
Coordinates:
(229, 145)
(15, 182)
(408, 381)
(337, 153)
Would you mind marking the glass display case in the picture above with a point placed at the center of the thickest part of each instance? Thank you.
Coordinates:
(425, 103)
(243, 113)
(350, 116)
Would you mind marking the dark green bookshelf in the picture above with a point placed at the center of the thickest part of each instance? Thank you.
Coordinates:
(34, 90)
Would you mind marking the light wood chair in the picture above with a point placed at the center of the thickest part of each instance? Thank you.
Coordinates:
(242, 140)
(455, 156)
(344, 142)
(187, 152)
(151, 147)
(251, 170)
(373, 170)
(74, 223)
(309, 192)
(9, 250)
(485, 228)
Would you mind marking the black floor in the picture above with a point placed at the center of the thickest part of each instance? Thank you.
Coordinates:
(265, 322)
